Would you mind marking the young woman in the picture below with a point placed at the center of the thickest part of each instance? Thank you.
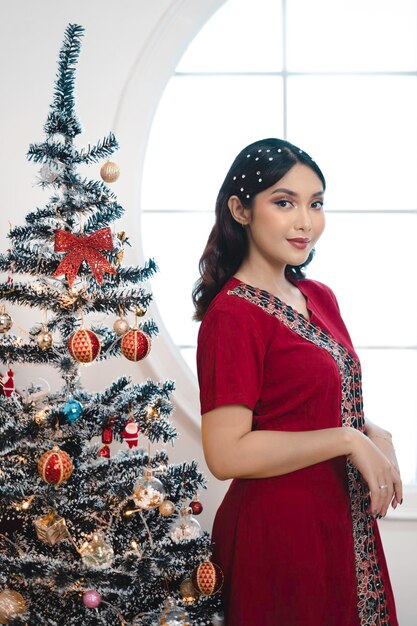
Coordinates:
(280, 389)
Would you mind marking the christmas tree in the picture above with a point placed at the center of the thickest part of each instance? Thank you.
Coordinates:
(89, 535)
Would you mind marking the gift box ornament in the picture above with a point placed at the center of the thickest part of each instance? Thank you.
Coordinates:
(51, 529)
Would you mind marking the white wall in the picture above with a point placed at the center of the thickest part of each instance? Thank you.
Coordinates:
(129, 51)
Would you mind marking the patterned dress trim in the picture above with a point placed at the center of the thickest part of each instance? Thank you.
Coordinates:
(372, 606)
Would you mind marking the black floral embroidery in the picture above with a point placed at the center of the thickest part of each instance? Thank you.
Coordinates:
(372, 607)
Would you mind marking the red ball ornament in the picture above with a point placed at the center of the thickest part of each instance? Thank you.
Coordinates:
(196, 507)
(135, 344)
(55, 466)
(84, 345)
(104, 452)
(207, 578)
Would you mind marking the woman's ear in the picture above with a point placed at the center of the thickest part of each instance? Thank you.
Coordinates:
(238, 211)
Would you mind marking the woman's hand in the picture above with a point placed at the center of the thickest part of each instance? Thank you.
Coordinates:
(383, 440)
(378, 471)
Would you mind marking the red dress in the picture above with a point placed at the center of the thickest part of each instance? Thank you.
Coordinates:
(297, 549)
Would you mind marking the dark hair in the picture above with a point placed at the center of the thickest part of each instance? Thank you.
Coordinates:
(256, 167)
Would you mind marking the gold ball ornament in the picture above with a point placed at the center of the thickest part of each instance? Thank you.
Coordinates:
(12, 604)
(44, 339)
(6, 321)
(189, 593)
(110, 172)
(167, 508)
(121, 326)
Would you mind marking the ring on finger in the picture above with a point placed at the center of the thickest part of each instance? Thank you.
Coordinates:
(383, 486)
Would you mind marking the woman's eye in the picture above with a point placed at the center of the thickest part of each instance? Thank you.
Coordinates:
(285, 204)
(318, 204)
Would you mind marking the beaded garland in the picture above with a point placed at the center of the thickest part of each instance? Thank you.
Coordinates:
(372, 606)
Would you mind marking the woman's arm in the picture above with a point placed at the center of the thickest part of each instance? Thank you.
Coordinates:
(233, 450)
(383, 440)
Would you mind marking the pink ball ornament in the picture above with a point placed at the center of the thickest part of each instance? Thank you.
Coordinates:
(92, 599)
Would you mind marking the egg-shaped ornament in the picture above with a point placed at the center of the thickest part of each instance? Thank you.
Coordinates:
(148, 492)
(135, 344)
(97, 552)
(84, 346)
(72, 410)
(44, 339)
(208, 578)
(6, 321)
(121, 326)
(12, 604)
(173, 615)
(185, 527)
(110, 172)
(55, 466)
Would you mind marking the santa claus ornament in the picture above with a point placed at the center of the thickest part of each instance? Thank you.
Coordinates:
(7, 385)
(135, 344)
(131, 434)
(84, 346)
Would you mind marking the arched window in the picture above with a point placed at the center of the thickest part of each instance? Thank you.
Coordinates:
(338, 78)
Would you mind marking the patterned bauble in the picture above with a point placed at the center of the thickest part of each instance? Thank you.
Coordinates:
(55, 466)
(72, 410)
(92, 599)
(167, 508)
(121, 326)
(184, 528)
(12, 604)
(6, 321)
(110, 172)
(96, 552)
(44, 339)
(135, 344)
(173, 615)
(148, 492)
(189, 593)
(104, 452)
(84, 345)
(208, 578)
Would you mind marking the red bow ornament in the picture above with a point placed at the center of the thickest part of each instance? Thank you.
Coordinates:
(84, 248)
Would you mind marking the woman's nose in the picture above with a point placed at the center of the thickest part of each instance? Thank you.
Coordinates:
(303, 220)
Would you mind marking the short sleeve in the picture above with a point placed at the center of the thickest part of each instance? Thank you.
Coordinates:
(230, 359)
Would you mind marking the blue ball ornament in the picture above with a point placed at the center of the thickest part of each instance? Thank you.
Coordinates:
(72, 410)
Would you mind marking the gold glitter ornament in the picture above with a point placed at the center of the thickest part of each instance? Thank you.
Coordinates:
(110, 172)
(189, 593)
(12, 604)
(167, 508)
(44, 339)
(121, 326)
(6, 321)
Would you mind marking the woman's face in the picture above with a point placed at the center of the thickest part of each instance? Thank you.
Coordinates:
(287, 218)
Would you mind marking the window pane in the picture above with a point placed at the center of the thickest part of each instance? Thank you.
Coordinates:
(362, 131)
(200, 126)
(176, 242)
(359, 35)
(368, 260)
(390, 400)
(243, 36)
